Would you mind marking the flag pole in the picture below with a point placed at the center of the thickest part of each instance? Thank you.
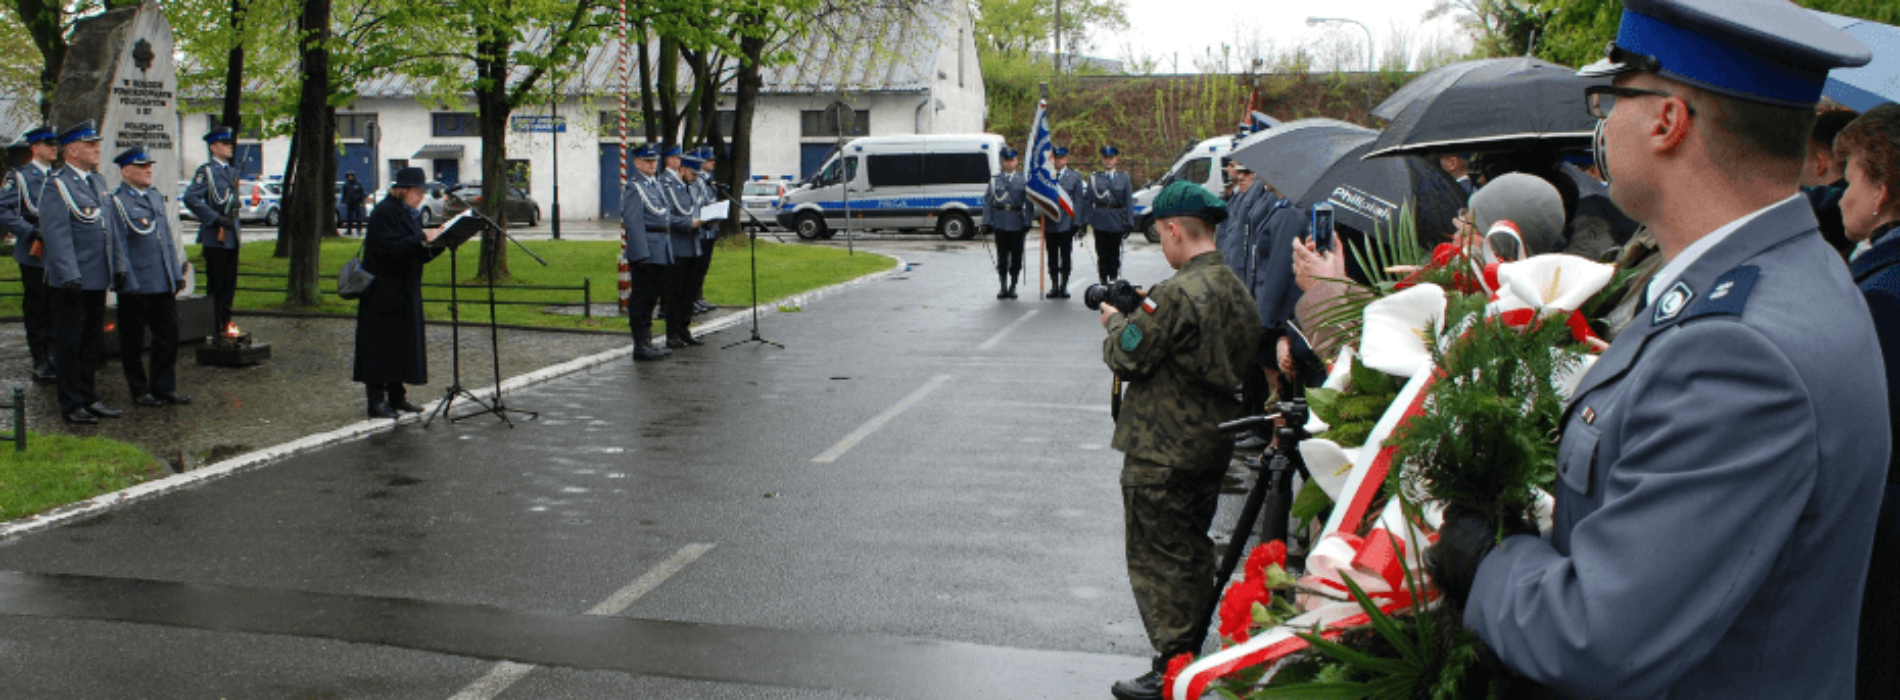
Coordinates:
(1042, 238)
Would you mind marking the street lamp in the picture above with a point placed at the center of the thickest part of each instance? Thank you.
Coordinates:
(1316, 21)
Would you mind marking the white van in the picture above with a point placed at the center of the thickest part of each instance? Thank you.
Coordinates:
(1199, 163)
(897, 183)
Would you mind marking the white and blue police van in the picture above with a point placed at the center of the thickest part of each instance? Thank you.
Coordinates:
(1200, 164)
(897, 183)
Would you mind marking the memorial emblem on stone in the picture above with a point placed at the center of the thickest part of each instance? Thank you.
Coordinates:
(142, 55)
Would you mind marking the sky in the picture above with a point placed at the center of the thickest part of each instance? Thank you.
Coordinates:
(1182, 29)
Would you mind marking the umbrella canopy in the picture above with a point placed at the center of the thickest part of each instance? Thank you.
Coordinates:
(1870, 85)
(1430, 83)
(1495, 106)
(1321, 160)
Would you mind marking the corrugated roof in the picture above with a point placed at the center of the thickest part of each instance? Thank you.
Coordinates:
(871, 51)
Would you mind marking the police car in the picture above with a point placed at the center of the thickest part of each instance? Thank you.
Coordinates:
(1200, 163)
(901, 183)
(762, 197)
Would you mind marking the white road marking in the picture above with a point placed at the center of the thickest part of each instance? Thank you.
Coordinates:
(507, 673)
(872, 425)
(998, 338)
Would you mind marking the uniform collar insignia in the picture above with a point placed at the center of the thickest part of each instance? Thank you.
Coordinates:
(1672, 302)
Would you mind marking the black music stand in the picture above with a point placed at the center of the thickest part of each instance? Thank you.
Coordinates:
(496, 406)
(454, 233)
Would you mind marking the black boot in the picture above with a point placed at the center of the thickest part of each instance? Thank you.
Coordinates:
(1146, 686)
(1002, 286)
(1062, 287)
(643, 347)
(1011, 289)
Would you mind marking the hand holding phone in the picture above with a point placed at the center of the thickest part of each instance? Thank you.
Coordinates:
(1321, 232)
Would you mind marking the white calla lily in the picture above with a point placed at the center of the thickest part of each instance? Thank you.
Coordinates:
(1552, 283)
(1398, 327)
(1329, 464)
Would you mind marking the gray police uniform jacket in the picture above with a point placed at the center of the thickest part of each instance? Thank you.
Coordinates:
(213, 195)
(1071, 182)
(1230, 235)
(139, 219)
(79, 247)
(683, 206)
(1111, 198)
(647, 217)
(1006, 204)
(20, 196)
(1718, 482)
(1270, 261)
(706, 195)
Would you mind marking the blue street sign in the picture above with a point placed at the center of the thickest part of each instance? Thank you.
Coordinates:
(539, 124)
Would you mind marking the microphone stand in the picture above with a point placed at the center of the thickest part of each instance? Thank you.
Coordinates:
(752, 245)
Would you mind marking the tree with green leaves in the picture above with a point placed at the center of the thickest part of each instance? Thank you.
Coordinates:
(47, 23)
(1579, 29)
(1498, 27)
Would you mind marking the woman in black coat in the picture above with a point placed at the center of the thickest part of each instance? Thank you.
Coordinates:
(1870, 213)
(389, 340)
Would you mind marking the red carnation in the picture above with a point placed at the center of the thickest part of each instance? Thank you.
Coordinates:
(1175, 666)
(1271, 553)
(1236, 609)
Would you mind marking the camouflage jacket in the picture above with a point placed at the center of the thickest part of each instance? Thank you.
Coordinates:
(1183, 355)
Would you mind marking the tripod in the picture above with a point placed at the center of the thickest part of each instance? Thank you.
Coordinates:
(498, 408)
(752, 245)
(1274, 490)
(455, 389)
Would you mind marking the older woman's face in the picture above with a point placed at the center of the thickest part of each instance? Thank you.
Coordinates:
(1864, 203)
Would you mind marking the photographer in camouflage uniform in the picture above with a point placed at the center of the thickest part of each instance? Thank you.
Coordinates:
(1183, 355)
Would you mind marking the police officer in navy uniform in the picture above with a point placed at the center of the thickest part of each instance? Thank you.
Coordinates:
(84, 260)
(21, 193)
(683, 206)
(1006, 213)
(1111, 213)
(1060, 233)
(149, 298)
(646, 215)
(713, 191)
(213, 198)
(1722, 463)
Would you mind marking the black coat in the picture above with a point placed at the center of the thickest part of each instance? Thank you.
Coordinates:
(389, 340)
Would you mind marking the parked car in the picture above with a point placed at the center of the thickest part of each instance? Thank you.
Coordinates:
(899, 183)
(262, 201)
(435, 206)
(762, 199)
(1199, 164)
(521, 207)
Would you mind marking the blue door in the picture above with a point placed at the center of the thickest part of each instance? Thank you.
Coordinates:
(610, 181)
(359, 158)
(448, 171)
(250, 160)
(811, 157)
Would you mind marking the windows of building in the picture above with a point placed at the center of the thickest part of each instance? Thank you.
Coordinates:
(443, 124)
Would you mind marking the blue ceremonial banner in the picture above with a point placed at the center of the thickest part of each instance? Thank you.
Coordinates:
(1042, 186)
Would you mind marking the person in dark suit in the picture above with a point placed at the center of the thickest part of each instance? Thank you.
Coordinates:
(20, 195)
(84, 260)
(390, 348)
(354, 199)
(148, 300)
(1869, 212)
(213, 198)
(1721, 465)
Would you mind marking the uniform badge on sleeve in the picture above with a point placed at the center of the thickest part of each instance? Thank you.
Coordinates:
(1131, 338)
(1672, 303)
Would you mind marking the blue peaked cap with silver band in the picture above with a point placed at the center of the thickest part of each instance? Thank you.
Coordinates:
(46, 134)
(646, 152)
(1768, 51)
(84, 131)
(135, 155)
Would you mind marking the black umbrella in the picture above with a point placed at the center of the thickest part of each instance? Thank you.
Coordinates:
(1321, 160)
(1428, 84)
(1499, 105)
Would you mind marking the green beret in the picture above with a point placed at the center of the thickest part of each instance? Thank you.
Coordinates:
(1183, 198)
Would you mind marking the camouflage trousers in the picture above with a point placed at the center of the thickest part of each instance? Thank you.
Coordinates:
(1171, 562)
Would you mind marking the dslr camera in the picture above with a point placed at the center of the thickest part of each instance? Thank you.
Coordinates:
(1119, 293)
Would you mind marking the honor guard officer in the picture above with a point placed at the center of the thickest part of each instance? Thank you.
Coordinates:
(213, 198)
(1110, 214)
(646, 216)
(1006, 214)
(710, 192)
(683, 206)
(84, 259)
(1060, 233)
(1183, 352)
(1721, 466)
(149, 298)
(20, 196)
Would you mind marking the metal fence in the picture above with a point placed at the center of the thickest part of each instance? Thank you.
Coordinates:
(18, 436)
(327, 285)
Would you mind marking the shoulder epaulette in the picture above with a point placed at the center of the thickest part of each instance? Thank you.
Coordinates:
(1726, 296)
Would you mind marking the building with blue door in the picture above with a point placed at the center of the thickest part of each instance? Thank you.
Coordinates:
(900, 73)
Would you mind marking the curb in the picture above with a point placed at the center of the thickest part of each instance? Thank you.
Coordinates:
(104, 503)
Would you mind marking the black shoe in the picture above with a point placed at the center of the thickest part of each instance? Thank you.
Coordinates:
(1144, 687)
(709, 305)
(647, 352)
(147, 400)
(382, 410)
(1053, 294)
(404, 405)
(81, 416)
(1002, 293)
(172, 397)
(100, 410)
(683, 341)
(44, 374)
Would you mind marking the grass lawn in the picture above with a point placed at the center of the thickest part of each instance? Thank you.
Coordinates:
(59, 469)
(784, 270)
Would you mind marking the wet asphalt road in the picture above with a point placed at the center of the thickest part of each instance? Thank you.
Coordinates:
(914, 498)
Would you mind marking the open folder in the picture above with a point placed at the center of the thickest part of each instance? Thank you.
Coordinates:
(715, 211)
(458, 230)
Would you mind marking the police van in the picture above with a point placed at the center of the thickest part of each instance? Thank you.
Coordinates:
(901, 183)
(1200, 164)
